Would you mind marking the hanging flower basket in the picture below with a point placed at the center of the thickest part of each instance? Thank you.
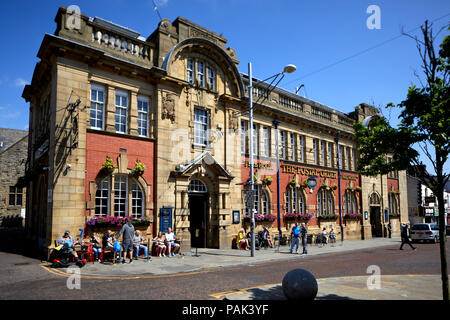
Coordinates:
(304, 184)
(138, 170)
(267, 181)
(334, 187)
(293, 182)
(108, 166)
(358, 189)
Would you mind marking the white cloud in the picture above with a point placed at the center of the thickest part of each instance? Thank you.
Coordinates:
(160, 3)
(10, 115)
(19, 82)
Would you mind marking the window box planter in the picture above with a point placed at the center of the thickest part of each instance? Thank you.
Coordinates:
(260, 218)
(328, 218)
(352, 216)
(110, 222)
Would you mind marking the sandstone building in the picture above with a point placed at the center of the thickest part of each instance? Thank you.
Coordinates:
(175, 102)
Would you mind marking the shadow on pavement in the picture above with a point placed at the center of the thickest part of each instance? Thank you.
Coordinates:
(12, 240)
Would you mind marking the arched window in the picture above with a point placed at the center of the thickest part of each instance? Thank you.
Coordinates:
(295, 201)
(261, 200)
(374, 199)
(393, 207)
(196, 186)
(350, 203)
(121, 197)
(325, 203)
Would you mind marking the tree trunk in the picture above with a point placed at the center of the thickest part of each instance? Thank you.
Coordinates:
(442, 245)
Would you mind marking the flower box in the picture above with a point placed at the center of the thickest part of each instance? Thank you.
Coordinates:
(110, 222)
(328, 217)
(352, 216)
(260, 218)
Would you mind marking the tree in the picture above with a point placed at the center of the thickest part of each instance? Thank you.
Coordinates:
(424, 123)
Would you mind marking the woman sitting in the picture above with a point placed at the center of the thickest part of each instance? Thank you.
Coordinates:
(159, 243)
(242, 239)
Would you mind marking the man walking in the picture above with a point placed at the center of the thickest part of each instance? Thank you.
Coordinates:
(405, 237)
(295, 233)
(128, 236)
(304, 233)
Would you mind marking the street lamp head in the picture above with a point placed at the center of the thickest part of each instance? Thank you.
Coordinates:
(289, 68)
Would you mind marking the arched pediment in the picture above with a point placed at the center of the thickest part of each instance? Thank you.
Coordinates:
(209, 50)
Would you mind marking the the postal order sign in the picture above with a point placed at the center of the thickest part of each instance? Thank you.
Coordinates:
(285, 168)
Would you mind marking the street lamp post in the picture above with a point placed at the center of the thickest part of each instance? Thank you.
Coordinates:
(339, 189)
(280, 233)
(288, 69)
(252, 182)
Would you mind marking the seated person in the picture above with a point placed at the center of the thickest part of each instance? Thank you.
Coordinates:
(324, 235)
(332, 235)
(166, 244)
(108, 241)
(94, 240)
(138, 243)
(267, 237)
(242, 239)
(68, 243)
(159, 242)
(170, 236)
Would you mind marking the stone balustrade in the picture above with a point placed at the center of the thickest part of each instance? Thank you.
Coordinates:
(110, 40)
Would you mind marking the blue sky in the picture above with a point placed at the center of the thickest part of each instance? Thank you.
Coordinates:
(270, 34)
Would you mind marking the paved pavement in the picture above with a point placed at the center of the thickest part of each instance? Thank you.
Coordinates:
(392, 287)
(208, 259)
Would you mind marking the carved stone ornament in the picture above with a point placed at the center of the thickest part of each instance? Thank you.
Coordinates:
(168, 107)
(233, 121)
(187, 92)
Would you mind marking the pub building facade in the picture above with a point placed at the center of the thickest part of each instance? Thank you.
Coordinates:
(106, 101)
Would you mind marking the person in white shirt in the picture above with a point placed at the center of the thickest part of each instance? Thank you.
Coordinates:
(170, 237)
(324, 235)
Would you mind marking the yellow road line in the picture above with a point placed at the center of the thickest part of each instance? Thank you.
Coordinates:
(65, 274)
(219, 295)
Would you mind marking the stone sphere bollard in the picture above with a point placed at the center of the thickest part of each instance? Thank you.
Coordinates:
(299, 284)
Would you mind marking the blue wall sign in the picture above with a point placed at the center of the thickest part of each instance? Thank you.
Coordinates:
(312, 182)
(165, 219)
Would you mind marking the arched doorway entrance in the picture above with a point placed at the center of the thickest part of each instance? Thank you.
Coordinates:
(375, 215)
(198, 213)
